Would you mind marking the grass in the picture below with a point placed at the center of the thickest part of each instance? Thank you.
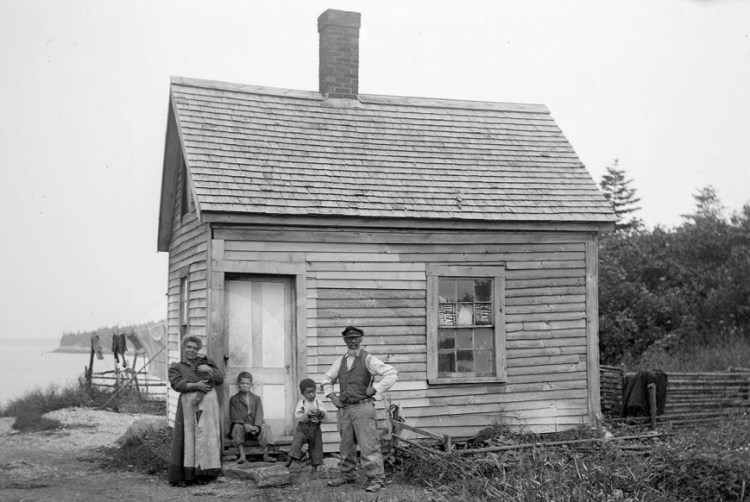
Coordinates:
(723, 352)
(30, 408)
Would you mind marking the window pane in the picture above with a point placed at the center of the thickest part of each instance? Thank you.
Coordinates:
(482, 313)
(446, 338)
(484, 338)
(446, 362)
(483, 362)
(483, 290)
(464, 339)
(465, 290)
(447, 314)
(465, 314)
(447, 290)
(465, 361)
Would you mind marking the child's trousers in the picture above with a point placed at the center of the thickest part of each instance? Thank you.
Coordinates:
(308, 432)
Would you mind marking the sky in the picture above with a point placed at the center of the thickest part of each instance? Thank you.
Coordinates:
(660, 86)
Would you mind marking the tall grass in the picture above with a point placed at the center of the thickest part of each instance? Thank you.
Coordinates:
(719, 354)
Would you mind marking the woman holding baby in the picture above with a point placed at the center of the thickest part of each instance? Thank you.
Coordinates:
(195, 456)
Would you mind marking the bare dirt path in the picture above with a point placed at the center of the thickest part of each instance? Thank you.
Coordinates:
(65, 465)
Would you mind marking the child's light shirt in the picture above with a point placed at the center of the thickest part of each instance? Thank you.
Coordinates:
(304, 407)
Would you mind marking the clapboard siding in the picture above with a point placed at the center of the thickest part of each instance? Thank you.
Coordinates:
(188, 253)
(377, 280)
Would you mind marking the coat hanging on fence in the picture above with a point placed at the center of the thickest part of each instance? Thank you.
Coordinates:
(119, 347)
(96, 344)
(635, 393)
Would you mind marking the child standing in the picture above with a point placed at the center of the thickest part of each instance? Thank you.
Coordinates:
(309, 413)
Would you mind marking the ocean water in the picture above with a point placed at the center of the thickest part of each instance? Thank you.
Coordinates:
(30, 364)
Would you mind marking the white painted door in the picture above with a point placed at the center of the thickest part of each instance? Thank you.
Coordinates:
(258, 319)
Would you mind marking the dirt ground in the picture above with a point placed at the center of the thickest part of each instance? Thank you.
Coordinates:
(65, 465)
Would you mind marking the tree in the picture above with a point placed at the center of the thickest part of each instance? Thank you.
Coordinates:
(617, 190)
(708, 206)
(684, 286)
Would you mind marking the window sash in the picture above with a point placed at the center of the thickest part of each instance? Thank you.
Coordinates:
(497, 274)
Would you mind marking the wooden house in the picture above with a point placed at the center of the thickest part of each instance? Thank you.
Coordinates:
(460, 235)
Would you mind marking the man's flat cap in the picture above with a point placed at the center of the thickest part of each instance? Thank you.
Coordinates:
(352, 331)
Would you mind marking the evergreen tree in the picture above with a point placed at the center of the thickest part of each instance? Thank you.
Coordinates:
(617, 190)
(708, 206)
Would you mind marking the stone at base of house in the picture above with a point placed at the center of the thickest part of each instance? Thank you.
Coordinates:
(263, 473)
(331, 463)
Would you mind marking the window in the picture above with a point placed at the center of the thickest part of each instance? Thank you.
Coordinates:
(465, 324)
(184, 298)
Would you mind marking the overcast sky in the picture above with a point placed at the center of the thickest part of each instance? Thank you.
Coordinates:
(660, 85)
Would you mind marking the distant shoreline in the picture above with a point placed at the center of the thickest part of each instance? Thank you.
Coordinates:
(55, 342)
(72, 349)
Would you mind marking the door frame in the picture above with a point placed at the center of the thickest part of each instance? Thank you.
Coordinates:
(218, 268)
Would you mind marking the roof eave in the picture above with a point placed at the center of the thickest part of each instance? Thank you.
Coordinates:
(168, 181)
(236, 218)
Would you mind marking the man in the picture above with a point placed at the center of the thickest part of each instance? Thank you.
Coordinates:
(355, 373)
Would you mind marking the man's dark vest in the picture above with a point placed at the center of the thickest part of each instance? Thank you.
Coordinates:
(354, 381)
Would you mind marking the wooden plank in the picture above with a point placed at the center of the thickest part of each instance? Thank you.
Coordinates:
(545, 325)
(334, 332)
(368, 275)
(516, 362)
(545, 265)
(364, 266)
(365, 322)
(265, 256)
(523, 343)
(356, 303)
(366, 284)
(323, 293)
(366, 312)
(530, 319)
(545, 308)
(542, 369)
(555, 334)
(395, 235)
(547, 274)
(546, 351)
(592, 329)
(518, 300)
(529, 293)
(509, 401)
(542, 283)
(257, 267)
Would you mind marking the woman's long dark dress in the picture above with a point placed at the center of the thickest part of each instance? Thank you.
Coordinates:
(196, 437)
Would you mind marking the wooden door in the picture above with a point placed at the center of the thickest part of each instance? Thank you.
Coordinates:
(259, 322)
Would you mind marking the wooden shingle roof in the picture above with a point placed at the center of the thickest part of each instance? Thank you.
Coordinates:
(254, 150)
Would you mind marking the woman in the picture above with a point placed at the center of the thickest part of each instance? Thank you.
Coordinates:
(196, 438)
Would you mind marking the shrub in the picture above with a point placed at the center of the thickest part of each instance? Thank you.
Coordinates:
(711, 463)
(30, 422)
(145, 449)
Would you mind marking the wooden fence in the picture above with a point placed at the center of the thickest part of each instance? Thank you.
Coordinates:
(692, 398)
(145, 385)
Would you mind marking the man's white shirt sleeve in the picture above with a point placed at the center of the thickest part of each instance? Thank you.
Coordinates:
(387, 373)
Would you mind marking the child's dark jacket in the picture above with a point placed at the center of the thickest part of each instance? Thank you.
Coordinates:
(240, 413)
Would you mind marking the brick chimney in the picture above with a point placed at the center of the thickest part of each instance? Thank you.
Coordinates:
(339, 53)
